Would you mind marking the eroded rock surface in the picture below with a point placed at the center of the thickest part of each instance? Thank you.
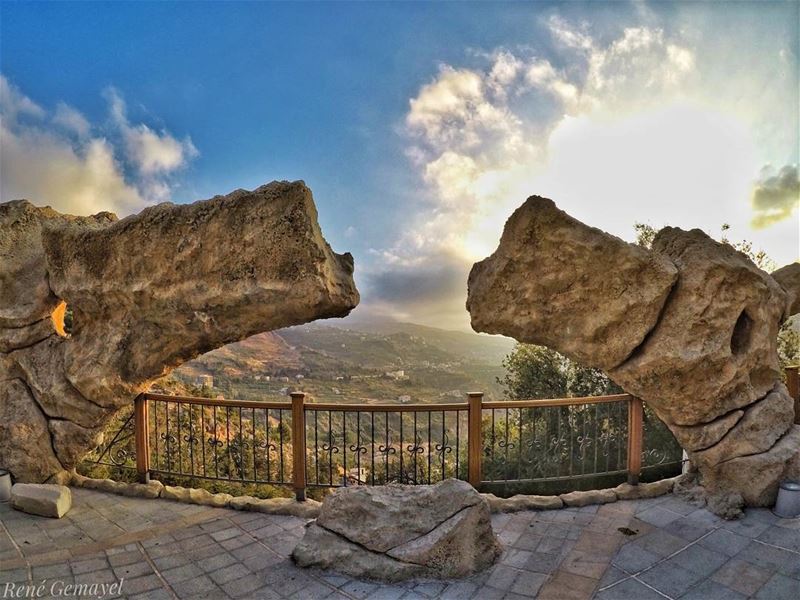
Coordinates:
(690, 327)
(397, 532)
(148, 293)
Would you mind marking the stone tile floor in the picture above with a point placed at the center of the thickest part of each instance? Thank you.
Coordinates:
(162, 549)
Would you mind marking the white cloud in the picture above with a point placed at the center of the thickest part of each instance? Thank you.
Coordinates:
(775, 196)
(55, 160)
(151, 152)
(621, 131)
(71, 119)
(14, 103)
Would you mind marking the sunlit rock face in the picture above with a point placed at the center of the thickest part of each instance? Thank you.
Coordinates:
(690, 327)
(148, 293)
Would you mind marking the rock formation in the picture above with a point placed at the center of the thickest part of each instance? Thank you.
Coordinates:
(397, 532)
(690, 327)
(147, 293)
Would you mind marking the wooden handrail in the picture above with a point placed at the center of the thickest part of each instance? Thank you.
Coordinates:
(215, 402)
(325, 406)
(557, 401)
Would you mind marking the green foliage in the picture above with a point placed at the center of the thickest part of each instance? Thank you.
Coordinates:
(789, 344)
(645, 234)
(539, 372)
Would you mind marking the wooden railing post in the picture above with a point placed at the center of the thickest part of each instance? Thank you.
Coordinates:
(142, 437)
(299, 444)
(635, 439)
(793, 385)
(475, 439)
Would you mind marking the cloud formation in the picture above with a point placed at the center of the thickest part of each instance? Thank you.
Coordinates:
(59, 158)
(617, 127)
(775, 196)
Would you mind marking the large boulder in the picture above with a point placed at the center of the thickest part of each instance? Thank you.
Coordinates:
(568, 258)
(147, 293)
(397, 532)
(690, 326)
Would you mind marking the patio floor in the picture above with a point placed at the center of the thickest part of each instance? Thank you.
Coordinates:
(168, 550)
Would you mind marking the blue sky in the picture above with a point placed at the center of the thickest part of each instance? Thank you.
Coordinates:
(419, 127)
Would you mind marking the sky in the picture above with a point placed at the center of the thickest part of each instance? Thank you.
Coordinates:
(419, 127)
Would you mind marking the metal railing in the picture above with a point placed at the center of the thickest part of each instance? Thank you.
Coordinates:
(504, 446)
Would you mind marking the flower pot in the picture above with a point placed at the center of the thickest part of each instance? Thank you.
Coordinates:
(788, 503)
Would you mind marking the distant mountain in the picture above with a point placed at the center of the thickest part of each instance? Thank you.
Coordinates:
(473, 346)
(434, 361)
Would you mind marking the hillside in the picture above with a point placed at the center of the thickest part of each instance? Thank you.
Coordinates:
(351, 361)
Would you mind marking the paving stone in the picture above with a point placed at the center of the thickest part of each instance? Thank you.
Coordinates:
(711, 590)
(429, 589)
(630, 589)
(725, 542)
(780, 587)
(567, 586)
(670, 579)
(528, 541)
(387, 592)
(699, 560)
(542, 562)
(183, 573)
(226, 534)
(164, 563)
(48, 572)
(245, 585)
(489, 593)
(502, 577)
(751, 528)
(612, 575)
(88, 566)
(767, 557)
(260, 562)
(230, 573)
(515, 558)
(103, 576)
(137, 585)
(632, 558)
(528, 584)
(359, 589)
(658, 516)
(197, 587)
(126, 557)
(219, 561)
(780, 536)
(660, 542)
(160, 594)
(688, 528)
(14, 575)
(133, 570)
(742, 576)
(459, 591)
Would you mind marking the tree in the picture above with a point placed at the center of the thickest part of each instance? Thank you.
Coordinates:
(539, 372)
